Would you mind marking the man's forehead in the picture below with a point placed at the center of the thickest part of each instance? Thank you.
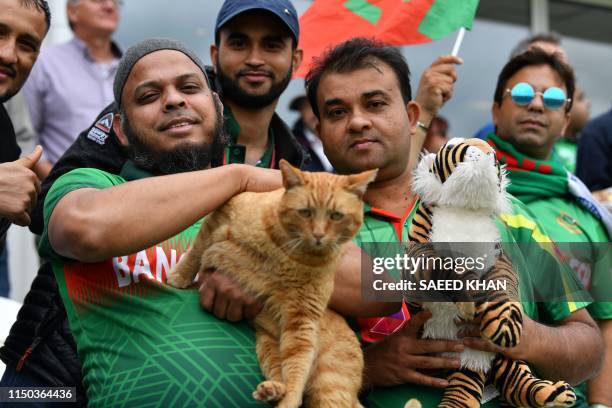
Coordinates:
(538, 74)
(163, 65)
(30, 20)
(370, 79)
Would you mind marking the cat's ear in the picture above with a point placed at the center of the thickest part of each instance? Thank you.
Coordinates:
(292, 177)
(358, 183)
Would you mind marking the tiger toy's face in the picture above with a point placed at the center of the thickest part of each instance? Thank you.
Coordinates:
(465, 173)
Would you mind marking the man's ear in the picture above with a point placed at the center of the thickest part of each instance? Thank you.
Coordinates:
(495, 112)
(413, 110)
(217, 101)
(298, 56)
(214, 52)
(123, 140)
(567, 122)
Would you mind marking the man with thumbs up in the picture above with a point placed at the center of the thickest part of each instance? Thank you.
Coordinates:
(23, 25)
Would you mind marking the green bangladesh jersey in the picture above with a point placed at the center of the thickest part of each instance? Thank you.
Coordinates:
(140, 341)
(528, 248)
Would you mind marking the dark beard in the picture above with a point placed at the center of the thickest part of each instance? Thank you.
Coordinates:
(232, 91)
(183, 158)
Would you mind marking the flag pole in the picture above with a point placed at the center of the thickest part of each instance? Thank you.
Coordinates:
(458, 42)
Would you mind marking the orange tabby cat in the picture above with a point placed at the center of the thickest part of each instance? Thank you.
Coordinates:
(283, 247)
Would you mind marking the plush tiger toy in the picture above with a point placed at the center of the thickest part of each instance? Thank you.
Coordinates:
(462, 189)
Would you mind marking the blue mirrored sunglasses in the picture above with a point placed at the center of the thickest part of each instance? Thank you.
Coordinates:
(522, 94)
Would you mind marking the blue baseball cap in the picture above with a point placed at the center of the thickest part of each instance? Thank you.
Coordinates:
(283, 9)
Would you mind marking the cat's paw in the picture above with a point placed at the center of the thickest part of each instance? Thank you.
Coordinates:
(177, 280)
(559, 394)
(270, 391)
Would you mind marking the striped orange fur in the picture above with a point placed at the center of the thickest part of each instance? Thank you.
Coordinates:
(283, 247)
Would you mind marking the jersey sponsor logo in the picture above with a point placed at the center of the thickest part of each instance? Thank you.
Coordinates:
(100, 131)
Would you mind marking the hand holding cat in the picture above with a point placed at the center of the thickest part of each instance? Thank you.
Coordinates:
(397, 359)
(223, 297)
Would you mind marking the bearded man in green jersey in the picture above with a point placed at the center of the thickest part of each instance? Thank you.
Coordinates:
(112, 239)
(530, 110)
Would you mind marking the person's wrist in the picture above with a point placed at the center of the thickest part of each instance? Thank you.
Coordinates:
(527, 347)
(238, 173)
(424, 120)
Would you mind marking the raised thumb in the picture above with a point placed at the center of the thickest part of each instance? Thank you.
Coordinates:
(31, 159)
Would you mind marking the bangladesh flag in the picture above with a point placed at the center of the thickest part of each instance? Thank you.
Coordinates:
(395, 22)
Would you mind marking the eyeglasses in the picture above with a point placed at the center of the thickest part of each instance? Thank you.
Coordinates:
(523, 94)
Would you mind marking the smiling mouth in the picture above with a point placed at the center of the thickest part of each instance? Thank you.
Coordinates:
(181, 124)
(178, 123)
(255, 76)
(7, 72)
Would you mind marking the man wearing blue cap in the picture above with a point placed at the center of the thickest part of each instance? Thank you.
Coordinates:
(254, 57)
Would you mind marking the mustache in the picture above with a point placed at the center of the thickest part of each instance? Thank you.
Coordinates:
(187, 116)
(7, 69)
(247, 71)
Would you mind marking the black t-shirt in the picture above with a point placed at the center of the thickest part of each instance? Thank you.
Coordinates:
(9, 151)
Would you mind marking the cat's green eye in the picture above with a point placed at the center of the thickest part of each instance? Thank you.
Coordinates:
(305, 212)
(336, 216)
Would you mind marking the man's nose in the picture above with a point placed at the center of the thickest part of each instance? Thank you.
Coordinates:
(359, 122)
(174, 99)
(8, 52)
(255, 57)
(537, 103)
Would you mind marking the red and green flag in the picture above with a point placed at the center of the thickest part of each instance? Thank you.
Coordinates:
(395, 22)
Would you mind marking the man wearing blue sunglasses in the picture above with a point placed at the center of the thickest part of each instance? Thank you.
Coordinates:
(530, 110)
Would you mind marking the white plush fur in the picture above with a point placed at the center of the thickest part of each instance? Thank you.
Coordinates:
(451, 224)
(473, 185)
(465, 207)
(442, 325)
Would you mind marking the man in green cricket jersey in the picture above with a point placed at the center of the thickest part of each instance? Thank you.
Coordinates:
(366, 117)
(112, 239)
(530, 109)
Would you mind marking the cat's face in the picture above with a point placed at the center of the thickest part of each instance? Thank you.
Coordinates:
(321, 211)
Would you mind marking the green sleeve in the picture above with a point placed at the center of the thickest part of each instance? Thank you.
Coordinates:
(71, 181)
